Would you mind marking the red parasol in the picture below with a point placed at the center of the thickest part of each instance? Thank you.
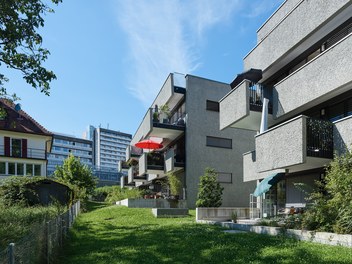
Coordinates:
(148, 144)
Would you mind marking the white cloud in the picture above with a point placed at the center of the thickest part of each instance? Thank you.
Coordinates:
(163, 37)
(260, 7)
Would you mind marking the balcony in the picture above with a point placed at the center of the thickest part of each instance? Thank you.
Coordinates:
(133, 152)
(29, 153)
(241, 108)
(151, 163)
(299, 144)
(171, 94)
(122, 166)
(173, 162)
(134, 177)
(288, 38)
(324, 77)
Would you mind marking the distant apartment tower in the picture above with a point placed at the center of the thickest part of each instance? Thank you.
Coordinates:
(63, 145)
(109, 146)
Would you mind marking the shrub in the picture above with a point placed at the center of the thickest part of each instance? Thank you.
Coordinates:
(210, 190)
(330, 206)
(14, 190)
(112, 194)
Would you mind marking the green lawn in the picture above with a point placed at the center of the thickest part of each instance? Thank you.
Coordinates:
(125, 235)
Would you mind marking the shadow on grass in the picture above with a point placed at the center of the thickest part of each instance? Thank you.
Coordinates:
(92, 205)
(127, 240)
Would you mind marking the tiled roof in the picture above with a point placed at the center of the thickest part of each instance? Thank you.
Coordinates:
(19, 121)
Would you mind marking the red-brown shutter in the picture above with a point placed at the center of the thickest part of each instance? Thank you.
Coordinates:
(7, 146)
(24, 148)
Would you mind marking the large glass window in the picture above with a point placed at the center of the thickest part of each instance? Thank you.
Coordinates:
(16, 147)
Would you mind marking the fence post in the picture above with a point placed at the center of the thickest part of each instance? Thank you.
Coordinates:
(47, 237)
(12, 253)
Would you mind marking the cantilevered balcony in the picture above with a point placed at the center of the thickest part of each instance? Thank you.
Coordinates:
(133, 175)
(288, 36)
(151, 163)
(133, 152)
(173, 162)
(172, 93)
(241, 108)
(299, 144)
(326, 76)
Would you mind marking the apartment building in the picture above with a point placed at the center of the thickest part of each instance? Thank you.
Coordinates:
(63, 145)
(24, 143)
(296, 90)
(109, 146)
(184, 118)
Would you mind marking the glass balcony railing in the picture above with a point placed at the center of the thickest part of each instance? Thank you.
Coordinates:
(175, 119)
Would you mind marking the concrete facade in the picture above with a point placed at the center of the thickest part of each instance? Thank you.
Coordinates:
(304, 54)
(202, 123)
(189, 103)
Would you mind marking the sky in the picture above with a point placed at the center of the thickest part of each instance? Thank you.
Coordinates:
(111, 57)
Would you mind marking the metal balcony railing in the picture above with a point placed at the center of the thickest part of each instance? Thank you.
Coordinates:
(256, 97)
(18, 153)
(155, 160)
(320, 138)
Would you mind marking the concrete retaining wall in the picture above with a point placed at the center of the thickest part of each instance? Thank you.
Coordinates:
(223, 213)
(152, 203)
(170, 212)
(312, 236)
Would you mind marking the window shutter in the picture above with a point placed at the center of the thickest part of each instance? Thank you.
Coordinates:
(7, 146)
(24, 148)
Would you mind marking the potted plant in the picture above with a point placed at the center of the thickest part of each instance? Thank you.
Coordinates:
(156, 117)
(234, 217)
(164, 113)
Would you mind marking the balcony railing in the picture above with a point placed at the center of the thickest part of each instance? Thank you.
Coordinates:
(256, 98)
(155, 160)
(18, 153)
(319, 138)
(176, 119)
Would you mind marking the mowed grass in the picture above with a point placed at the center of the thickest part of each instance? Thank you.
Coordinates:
(124, 235)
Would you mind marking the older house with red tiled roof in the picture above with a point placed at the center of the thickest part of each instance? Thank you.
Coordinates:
(24, 143)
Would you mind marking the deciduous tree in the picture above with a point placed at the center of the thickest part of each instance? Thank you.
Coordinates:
(21, 44)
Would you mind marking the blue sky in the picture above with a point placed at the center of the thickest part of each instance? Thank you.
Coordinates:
(111, 57)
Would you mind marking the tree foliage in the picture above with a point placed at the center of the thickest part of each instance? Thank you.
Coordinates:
(21, 44)
(331, 204)
(76, 175)
(210, 190)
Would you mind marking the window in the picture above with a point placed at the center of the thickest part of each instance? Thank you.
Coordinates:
(212, 106)
(219, 142)
(20, 169)
(224, 177)
(29, 170)
(2, 168)
(16, 147)
(37, 170)
(12, 168)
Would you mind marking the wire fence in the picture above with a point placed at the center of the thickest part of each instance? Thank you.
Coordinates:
(43, 243)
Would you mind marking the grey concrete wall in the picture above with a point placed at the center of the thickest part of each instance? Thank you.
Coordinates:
(142, 163)
(202, 123)
(169, 160)
(318, 80)
(235, 105)
(304, 19)
(342, 135)
(130, 175)
(282, 146)
(276, 18)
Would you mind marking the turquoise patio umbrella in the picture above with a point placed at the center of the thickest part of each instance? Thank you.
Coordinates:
(266, 184)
